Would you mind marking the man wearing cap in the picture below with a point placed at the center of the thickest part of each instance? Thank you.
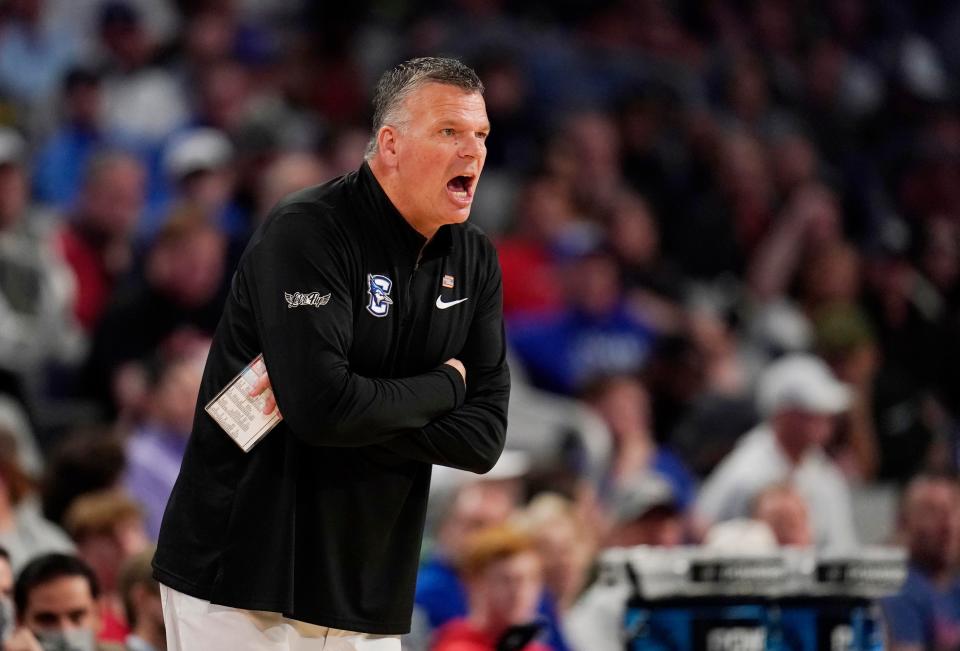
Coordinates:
(799, 397)
(198, 164)
(645, 512)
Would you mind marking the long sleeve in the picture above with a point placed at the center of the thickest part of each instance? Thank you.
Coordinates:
(472, 436)
(305, 347)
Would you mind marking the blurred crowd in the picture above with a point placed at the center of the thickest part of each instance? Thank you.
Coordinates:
(730, 240)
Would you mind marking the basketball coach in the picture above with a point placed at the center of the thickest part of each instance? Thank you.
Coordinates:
(378, 312)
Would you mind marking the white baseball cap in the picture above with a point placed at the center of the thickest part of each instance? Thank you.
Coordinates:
(197, 150)
(12, 146)
(803, 382)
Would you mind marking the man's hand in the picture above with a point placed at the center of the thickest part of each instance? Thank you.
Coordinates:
(262, 385)
(457, 364)
(22, 640)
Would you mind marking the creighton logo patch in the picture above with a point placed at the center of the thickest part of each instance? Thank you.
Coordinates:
(379, 289)
(312, 299)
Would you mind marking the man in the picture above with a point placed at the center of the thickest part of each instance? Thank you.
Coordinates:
(356, 292)
(646, 512)
(56, 601)
(799, 398)
(925, 614)
(108, 528)
(36, 327)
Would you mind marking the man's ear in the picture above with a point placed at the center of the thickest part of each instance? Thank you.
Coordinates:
(387, 145)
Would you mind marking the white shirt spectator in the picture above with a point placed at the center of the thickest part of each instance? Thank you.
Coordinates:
(758, 461)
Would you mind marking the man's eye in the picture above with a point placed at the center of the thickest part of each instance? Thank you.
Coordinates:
(447, 132)
(482, 135)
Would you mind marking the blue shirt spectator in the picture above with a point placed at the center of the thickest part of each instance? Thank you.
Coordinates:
(925, 614)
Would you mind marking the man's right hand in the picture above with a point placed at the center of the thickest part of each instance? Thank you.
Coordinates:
(457, 364)
(263, 383)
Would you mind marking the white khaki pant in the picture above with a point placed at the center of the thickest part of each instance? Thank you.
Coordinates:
(196, 625)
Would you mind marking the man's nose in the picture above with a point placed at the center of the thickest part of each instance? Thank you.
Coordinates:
(472, 147)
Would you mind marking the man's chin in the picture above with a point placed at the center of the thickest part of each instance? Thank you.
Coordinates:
(457, 216)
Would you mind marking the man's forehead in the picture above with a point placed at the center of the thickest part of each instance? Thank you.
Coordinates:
(67, 592)
(440, 101)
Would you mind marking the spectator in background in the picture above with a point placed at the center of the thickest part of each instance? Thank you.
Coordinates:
(545, 216)
(56, 600)
(107, 527)
(141, 602)
(624, 404)
(799, 398)
(651, 283)
(586, 155)
(33, 55)
(795, 161)
(36, 290)
(565, 545)
(97, 241)
(198, 164)
(595, 335)
(504, 580)
(83, 461)
(783, 509)
(143, 103)
(917, 345)
(174, 307)
(59, 164)
(156, 447)
(645, 513)
(925, 614)
(809, 224)
(23, 530)
(844, 338)
(440, 593)
(285, 175)
(7, 612)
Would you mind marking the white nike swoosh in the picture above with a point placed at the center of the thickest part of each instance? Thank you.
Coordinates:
(442, 305)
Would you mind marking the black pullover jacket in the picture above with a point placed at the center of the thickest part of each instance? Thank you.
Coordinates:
(322, 520)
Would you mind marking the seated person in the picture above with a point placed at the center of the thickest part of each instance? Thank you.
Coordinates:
(925, 614)
(56, 601)
(504, 579)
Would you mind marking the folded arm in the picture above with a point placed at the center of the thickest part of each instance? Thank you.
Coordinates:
(305, 346)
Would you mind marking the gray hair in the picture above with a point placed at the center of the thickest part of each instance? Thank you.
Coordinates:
(397, 84)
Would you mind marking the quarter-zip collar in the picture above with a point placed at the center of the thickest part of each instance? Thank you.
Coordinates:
(399, 229)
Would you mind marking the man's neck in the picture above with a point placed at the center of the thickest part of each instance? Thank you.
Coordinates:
(391, 186)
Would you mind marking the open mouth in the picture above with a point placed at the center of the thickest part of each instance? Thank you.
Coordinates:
(461, 188)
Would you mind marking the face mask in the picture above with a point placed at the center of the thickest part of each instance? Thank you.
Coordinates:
(76, 639)
(8, 618)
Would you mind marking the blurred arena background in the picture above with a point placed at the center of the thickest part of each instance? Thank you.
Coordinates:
(681, 194)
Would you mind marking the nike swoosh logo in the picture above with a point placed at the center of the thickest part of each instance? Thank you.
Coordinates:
(442, 305)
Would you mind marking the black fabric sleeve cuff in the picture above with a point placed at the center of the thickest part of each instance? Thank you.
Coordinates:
(456, 381)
